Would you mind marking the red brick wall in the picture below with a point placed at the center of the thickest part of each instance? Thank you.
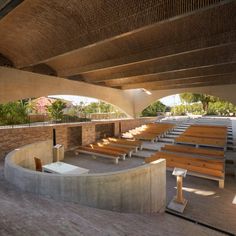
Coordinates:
(15, 137)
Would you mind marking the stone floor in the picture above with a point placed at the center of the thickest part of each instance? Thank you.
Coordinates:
(24, 214)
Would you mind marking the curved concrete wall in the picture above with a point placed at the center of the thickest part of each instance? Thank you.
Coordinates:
(140, 190)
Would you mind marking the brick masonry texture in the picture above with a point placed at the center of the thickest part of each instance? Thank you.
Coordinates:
(70, 135)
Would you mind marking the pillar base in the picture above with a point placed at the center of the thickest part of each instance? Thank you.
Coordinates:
(175, 206)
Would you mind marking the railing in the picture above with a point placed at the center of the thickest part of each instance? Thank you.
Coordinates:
(43, 120)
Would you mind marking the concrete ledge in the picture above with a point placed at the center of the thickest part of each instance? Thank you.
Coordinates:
(139, 190)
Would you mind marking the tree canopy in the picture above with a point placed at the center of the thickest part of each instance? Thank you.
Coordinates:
(56, 110)
(195, 97)
(13, 113)
(154, 108)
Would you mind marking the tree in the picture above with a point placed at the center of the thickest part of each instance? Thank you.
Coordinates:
(152, 109)
(13, 113)
(56, 110)
(195, 97)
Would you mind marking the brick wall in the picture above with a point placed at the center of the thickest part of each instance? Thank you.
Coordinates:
(69, 135)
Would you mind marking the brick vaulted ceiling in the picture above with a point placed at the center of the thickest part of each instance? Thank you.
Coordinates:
(125, 44)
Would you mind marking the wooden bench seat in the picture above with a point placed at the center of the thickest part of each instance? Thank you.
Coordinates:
(127, 142)
(209, 126)
(206, 135)
(146, 136)
(194, 150)
(209, 168)
(99, 153)
(126, 150)
(201, 141)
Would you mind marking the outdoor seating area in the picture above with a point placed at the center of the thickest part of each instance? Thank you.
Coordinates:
(118, 118)
(204, 135)
(201, 163)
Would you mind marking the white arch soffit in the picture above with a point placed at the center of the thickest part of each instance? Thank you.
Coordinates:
(143, 100)
(17, 84)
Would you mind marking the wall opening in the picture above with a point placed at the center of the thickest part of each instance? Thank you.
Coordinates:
(74, 135)
(104, 130)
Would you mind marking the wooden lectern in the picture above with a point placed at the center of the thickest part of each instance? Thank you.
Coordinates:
(178, 203)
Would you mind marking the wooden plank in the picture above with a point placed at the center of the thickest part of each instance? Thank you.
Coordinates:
(189, 160)
(125, 141)
(193, 150)
(201, 141)
(101, 151)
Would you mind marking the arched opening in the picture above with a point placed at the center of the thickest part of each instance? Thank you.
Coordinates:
(57, 109)
(190, 104)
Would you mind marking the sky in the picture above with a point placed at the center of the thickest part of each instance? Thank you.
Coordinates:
(168, 101)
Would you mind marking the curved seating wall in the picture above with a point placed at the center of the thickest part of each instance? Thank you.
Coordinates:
(141, 189)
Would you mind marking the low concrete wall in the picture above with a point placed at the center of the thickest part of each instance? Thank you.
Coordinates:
(139, 190)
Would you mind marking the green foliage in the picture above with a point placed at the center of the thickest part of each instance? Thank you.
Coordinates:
(13, 113)
(195, 97)
(222, 108)
(180, 110)
(154, 108)
(55, 110)
(208, 105)
(99, 107)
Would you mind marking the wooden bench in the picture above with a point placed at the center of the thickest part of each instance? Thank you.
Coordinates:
(205, 168)
(126, 150)
(210, 126)
(125, 142)
(205, 135)
(146, 136)
(99, 153)
(194, 150)
(197, 141)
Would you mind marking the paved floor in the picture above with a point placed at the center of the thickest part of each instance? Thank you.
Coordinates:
(27, 214)
(24, 214)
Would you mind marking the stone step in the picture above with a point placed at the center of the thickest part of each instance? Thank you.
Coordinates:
(143, 154)
(166, 140)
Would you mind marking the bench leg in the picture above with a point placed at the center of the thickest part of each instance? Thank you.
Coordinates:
(116, 161)
(123, 157)
(221, 183)
(130, 153)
